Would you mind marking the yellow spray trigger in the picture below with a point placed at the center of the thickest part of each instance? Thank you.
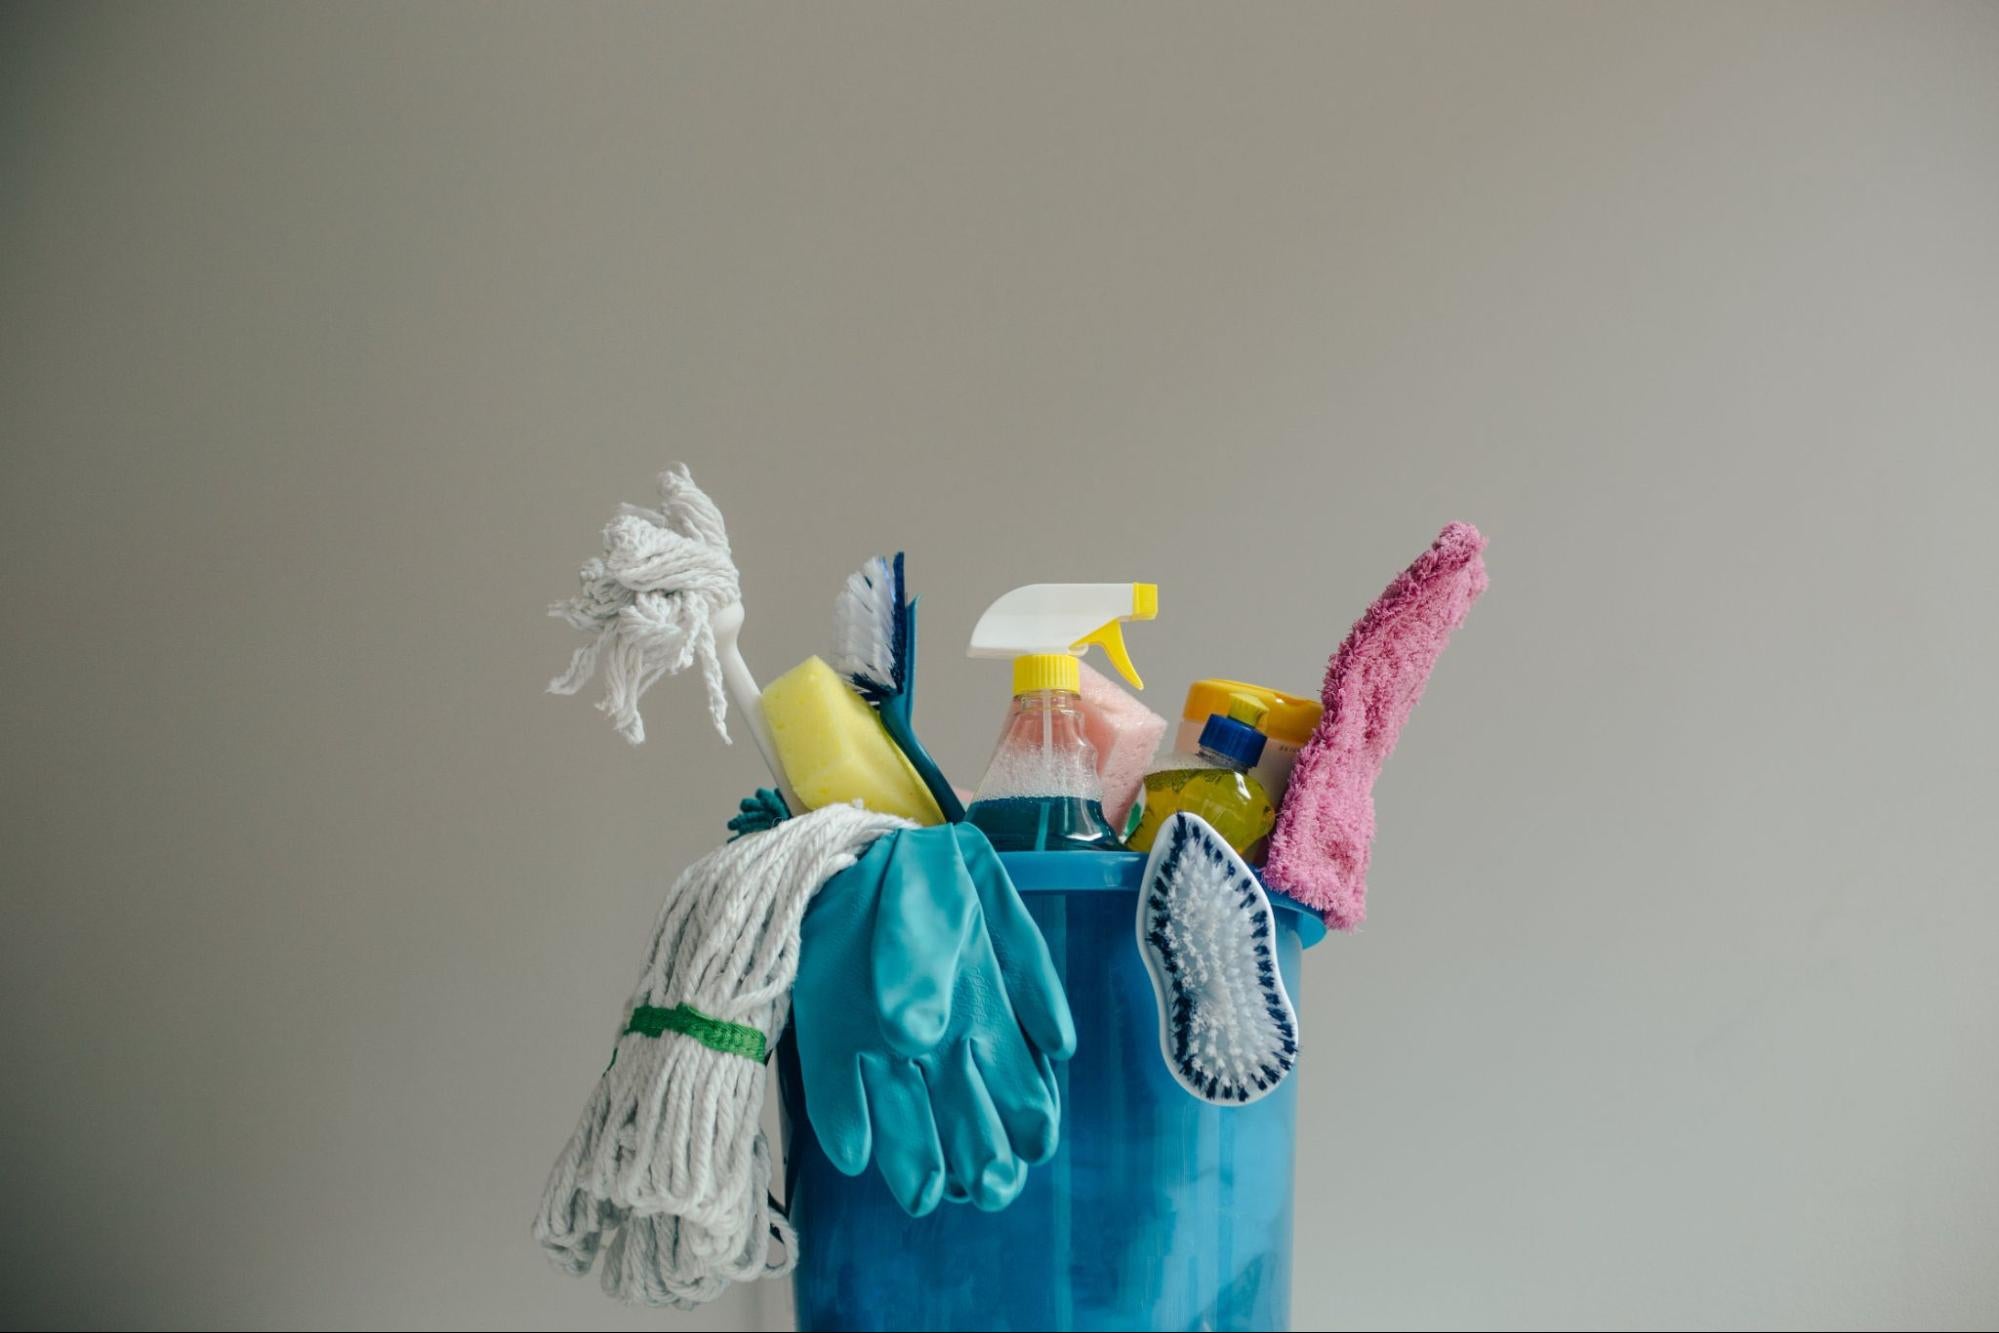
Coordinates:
(1110, 638)
(1110, 635)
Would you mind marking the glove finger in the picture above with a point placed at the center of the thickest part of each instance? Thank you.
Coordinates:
(832, 938)
(979, 1163)
(1023, 1091)
(836, 1104)
(907, 1151)
(1032, 984)
(928, 906)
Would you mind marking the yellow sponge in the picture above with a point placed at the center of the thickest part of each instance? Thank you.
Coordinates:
(835, 749)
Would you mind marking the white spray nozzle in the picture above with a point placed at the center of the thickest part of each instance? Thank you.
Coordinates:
(1063, 620)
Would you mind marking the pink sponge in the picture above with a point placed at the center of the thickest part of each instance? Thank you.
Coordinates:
(1319, 850)
(1125, 733)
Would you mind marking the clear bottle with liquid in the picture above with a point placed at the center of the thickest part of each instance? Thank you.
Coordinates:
(1041, 792)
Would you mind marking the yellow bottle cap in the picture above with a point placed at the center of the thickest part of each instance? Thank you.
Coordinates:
(1246, 708)
(1046, 671)
(1290, 718)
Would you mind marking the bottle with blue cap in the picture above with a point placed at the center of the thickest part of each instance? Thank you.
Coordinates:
(1215, 783)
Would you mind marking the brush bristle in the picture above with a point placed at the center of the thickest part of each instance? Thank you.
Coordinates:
(1228, 1030)
(868, 628)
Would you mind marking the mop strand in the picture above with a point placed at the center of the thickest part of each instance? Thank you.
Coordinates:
(650, 601)
(668, 1172)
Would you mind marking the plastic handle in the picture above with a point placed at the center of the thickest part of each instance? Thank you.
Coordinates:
(743, 687)
(1110, 638)
(897, 715)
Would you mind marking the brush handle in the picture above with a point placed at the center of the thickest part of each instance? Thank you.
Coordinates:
(895, 716)
(743, 688)
(897, 712)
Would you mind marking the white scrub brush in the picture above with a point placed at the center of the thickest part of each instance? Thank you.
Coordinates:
(1226, 1025)
(874, 627)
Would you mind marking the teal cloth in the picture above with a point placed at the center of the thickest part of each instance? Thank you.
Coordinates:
(928, 1014)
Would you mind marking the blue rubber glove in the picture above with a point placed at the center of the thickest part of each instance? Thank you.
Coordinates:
(928, 1013)
(763, 810)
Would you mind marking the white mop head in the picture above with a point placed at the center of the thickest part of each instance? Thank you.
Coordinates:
(668, 1172)
(650, 601)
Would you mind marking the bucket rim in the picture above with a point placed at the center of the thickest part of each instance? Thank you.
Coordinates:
(1100, 872)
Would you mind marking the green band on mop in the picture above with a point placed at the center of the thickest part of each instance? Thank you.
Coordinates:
(728, 1038)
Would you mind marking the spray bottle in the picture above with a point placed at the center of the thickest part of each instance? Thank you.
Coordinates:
(1040, 792)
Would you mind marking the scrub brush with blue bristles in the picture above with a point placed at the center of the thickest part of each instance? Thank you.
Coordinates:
(874, 625)
(1226, 1025)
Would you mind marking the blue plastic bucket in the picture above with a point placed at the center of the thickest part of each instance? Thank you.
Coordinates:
(1158, 1211)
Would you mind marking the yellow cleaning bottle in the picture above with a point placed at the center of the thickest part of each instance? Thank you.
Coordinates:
(1041, 792)
(1286, 727)
(1215, 783)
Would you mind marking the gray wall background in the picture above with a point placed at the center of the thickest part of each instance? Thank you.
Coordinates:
(332, 335)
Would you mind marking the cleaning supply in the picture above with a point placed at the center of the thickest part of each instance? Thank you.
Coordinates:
(664, 595)
(835, 748)
(1287, 724)
(929, 1014)
(762, 810)
(874, 622)
(1226, 1026)
(1041, 791)
(1319, 851)
(669, 1165)
(1214, 782)
(1124, 733)
(1159, 1210)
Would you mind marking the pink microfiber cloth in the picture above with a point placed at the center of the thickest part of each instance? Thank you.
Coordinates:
(1319, 850)
(1125, 733)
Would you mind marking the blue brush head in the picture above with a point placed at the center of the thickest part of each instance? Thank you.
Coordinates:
(899, 599)
(874, 625)
(1227, 1029)
(871, 630)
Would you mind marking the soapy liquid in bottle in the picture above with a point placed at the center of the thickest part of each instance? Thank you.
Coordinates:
(1232, 801)
(1041, 793)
